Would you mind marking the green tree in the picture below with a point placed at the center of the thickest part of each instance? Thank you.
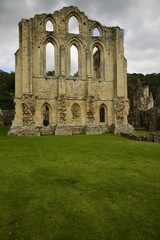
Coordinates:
(152, 80)
(7, 89)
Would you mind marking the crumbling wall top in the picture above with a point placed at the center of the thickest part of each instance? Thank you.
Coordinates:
(60, 20)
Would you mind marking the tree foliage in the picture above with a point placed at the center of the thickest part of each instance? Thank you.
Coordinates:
(7, 89)
(152, 80)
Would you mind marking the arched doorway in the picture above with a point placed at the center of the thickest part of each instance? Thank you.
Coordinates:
(102, 114)
(45, 115)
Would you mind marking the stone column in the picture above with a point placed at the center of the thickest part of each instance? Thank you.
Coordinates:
(62, 128)
(91, 127)
(26, 51)
(120, 111)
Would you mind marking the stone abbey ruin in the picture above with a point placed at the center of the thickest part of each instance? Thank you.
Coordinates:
(92, 100)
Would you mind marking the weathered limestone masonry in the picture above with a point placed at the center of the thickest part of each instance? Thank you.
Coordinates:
(93, 100)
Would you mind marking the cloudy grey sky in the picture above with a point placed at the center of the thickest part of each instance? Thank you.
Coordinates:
(139, 18)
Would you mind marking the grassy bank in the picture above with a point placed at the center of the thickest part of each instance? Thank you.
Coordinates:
(79, 188)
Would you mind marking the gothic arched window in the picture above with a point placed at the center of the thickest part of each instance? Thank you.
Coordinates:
(49, 26)
(96, 32)
(50, 59)
(45, 115)
(102, 114)
(73, 61)
(96, 63)
(73, 25)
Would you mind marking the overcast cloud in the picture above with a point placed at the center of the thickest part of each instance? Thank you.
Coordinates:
(139, 18)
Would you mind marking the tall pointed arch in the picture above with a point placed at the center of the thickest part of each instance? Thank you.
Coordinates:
(96, 32)
(73, 25)
(96, 63)
(76, 55)
(98, 60)
(102, 113)
(46, 114)
(50, 59)
(49, 26)
(74, 60)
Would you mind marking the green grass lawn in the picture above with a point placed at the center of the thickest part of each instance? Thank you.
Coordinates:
(79, 187)
(142, 132)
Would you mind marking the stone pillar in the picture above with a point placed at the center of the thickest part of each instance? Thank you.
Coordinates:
(88, 57)
(121, 123)
(62, 60)
(91, 127)
(26, 55)
(62, 128)
(28, 109)
(28, 127)
(61, 85)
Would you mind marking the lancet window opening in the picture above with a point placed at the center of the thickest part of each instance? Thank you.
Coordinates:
(49, 26)
(46, 113)
(97, 68)
(74, 63)
(102, 114)
(73, 25)
(96, 32)
(50, 59)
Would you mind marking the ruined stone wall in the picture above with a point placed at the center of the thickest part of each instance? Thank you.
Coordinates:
(73, 102)
(140, 103)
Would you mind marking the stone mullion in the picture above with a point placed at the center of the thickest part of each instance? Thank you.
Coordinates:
(89, 61)
(25, 56)
(62, 60)
(30, 59)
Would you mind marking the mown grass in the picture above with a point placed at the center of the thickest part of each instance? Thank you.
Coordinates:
(141, 132)
(79, 188)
